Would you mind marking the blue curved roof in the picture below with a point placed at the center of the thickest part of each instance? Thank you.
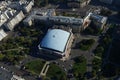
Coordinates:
(55, 39)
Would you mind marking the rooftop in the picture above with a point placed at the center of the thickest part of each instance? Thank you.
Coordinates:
(55, 39)
(40, 14)
(18, 4)
(70, 20)
(97, 18)
(47, 14)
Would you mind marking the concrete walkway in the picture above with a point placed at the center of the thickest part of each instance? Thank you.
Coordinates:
(45, 69)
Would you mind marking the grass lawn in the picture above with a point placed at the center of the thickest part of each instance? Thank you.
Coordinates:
(96, 64)
(55, 73)
(99, 51)
(80, 67)
(35, 66)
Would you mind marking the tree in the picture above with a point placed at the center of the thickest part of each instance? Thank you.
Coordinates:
(38, 2)
(99, 51)
(1, 57)
(63, 77)
(93, 73)
(79, 59)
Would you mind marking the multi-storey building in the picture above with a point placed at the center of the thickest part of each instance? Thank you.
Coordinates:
(49, 16)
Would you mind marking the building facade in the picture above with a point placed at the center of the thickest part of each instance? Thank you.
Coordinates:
(3, 34)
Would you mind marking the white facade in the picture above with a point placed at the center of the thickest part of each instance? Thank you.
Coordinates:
(5, 15)
(28, 6)
(14, 21)
(2, 34)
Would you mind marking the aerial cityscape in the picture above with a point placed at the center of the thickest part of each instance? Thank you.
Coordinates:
(59, 39)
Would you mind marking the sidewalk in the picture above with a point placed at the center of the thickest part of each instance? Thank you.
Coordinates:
(45, 69)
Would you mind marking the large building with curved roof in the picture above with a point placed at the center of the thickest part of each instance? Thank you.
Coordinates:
(56, 42)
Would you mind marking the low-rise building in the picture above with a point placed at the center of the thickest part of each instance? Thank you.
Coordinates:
(23, 5)
(97, 20)
(56, 44)
(40, 15)
(77, 3)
